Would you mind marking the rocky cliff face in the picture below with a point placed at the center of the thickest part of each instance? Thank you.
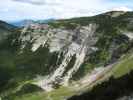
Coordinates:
(68, 44)
(75, 45)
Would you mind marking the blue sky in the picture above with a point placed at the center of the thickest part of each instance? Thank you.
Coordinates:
(12, 10)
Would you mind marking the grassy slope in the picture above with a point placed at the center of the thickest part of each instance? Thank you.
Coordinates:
(58, 94)
(124, 66)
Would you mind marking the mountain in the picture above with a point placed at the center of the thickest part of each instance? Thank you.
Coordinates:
(5, 30)
(6, 26)
(64, 58)
(23, 23)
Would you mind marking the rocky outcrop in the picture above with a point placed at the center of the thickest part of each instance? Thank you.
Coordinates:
(79, 43)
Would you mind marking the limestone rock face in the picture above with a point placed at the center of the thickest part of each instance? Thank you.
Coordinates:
(78, 42)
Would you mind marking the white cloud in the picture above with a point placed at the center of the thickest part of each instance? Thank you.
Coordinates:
(39, 2)
(122, 9)
(43, 9)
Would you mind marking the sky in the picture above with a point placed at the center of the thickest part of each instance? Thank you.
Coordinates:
(15, 10)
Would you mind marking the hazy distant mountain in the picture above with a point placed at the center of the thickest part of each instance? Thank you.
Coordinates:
(28, 22)
(22, 23)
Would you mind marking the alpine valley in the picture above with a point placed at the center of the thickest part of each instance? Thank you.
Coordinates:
(86, 58)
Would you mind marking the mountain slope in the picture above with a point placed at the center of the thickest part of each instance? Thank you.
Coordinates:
(59, 56)
(112, 86)
(5, 30)
(118, 86)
